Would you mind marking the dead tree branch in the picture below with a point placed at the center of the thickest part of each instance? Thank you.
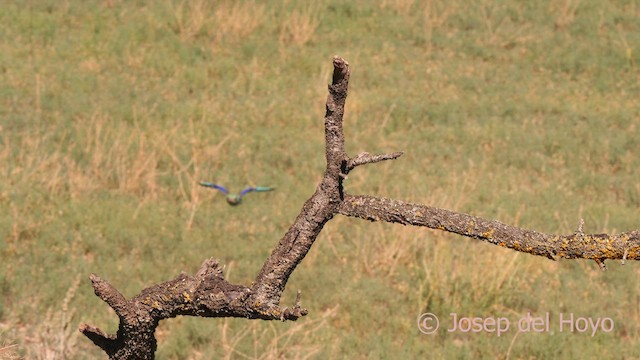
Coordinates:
(578, 245)
(366, 158)
(208, 294)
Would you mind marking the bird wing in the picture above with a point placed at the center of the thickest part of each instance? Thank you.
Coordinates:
(257, 188)
(263, 188)
(215, 186)
(246, 191)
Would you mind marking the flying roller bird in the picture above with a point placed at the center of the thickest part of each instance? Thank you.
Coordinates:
(235, 199)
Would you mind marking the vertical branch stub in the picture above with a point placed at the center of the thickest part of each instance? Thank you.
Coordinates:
(340, 70)
(334, 134)
(318, 209)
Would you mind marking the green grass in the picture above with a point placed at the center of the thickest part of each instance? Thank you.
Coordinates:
(112, 111)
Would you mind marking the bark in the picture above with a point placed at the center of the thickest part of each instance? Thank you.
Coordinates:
(208, 294)
(596, 247)
(316, 211)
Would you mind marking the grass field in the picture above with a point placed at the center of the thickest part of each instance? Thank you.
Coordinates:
(111, 112)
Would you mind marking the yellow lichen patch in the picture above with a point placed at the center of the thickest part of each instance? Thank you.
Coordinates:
(488, 234)
(470, 226)
(156, 305)
(187, 297)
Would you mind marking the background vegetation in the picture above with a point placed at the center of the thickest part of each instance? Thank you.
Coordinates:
(111, 111)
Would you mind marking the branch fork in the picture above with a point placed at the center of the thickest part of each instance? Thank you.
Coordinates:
(208, 294)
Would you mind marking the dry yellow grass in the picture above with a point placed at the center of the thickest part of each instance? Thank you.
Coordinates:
(507, 110)
(299, 26)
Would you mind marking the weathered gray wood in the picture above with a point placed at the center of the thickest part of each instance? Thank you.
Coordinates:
(208, 294)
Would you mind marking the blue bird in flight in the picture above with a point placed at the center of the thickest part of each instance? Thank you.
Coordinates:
(235, 199)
